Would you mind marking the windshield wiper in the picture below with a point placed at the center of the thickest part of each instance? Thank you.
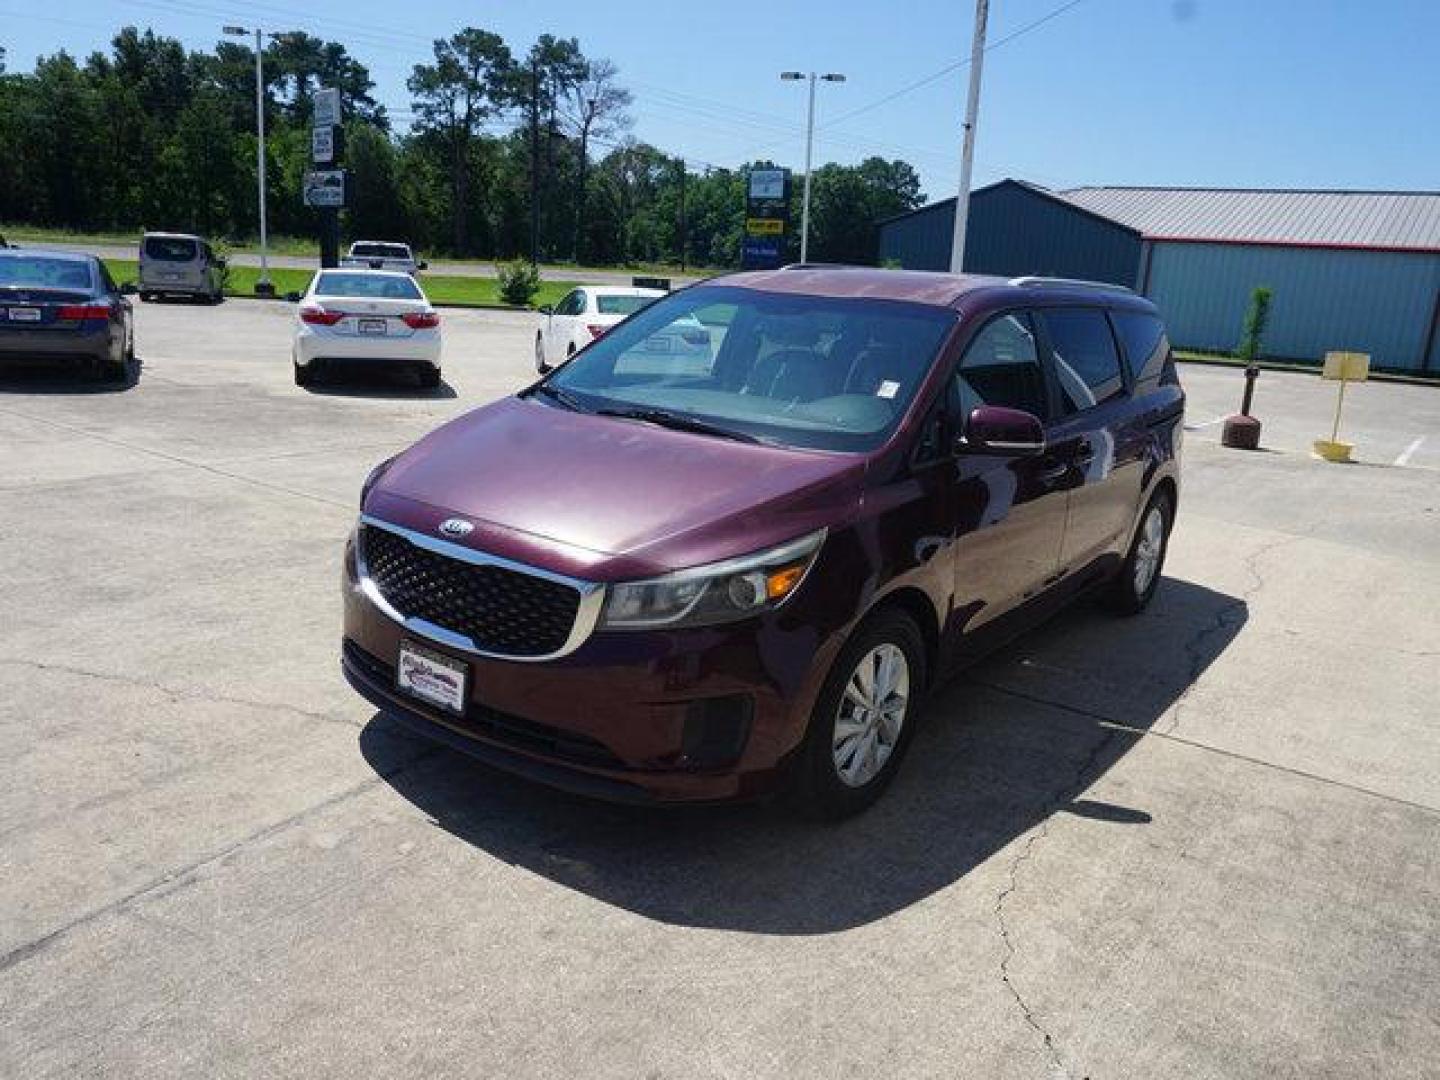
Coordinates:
(564, 397)
(677, 422)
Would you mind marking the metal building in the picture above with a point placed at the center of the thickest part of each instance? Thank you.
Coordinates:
(1350, 270)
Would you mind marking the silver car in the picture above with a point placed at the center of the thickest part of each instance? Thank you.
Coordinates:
(178, 264)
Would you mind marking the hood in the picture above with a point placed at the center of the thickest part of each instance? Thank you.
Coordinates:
(607, 499)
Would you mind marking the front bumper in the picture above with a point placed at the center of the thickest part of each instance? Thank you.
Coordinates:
(701, 715)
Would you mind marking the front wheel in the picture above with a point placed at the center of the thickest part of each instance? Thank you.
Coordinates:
(1139, 576)
(863, 719)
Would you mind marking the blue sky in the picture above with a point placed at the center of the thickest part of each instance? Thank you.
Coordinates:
(1294, 93)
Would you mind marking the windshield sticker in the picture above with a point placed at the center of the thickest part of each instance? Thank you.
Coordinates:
(888, 389)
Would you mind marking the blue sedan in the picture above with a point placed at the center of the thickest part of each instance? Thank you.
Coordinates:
(65, 308)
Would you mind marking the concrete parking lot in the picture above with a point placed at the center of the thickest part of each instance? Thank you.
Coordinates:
(1204, 842)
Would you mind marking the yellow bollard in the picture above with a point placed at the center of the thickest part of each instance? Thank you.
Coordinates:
(1342, 367)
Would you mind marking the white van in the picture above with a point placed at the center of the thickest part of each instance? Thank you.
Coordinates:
(177, 264)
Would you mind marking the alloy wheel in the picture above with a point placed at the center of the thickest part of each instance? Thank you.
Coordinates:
(871, 715)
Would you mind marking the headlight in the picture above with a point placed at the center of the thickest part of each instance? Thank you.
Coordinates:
(717, 593)
(375, 474)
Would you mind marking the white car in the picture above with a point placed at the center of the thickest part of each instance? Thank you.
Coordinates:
(585, 313)
(382, 255)
(357, 317)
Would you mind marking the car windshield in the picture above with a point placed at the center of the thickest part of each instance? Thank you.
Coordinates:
(612, 304)
(170, 248)
(804, 371)
(39, 272)
(381, 251)
(369, 286)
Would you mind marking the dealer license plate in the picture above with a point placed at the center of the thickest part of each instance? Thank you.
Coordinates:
(24, 314)
(372, 326)
(432, 677)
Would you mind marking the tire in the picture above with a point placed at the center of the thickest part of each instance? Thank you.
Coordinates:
(430, 378)
(839, 776)
(304, 376)
(540, 365)
(1140, 574)
(147, 298)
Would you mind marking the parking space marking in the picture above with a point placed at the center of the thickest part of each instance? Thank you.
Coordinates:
(1409, 451)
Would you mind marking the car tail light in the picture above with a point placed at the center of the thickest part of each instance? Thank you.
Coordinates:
(83, 311)
(421, 320)
(596, 330)
(318, 316)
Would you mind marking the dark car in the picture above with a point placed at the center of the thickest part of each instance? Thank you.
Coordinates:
(662, 585)
(64, 308)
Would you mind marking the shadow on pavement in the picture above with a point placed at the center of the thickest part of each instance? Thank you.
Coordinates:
(52, 379)
(377, 382)
(996, 756)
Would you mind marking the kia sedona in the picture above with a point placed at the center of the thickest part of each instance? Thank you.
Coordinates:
(661, 584)
(350, 319)
(65, 309)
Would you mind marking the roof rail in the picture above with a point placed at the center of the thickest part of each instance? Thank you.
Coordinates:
(1029, 280)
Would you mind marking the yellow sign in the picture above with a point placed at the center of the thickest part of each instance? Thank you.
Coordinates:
(1347, 366)
(764, 226)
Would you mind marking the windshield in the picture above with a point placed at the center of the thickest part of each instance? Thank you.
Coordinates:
(621, 305)
(805, 371)
(170, 248)
(39, 272)
(369, 286)
(381, 251)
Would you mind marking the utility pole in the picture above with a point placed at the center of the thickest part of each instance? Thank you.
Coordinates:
(534, 162)
(263, 286)
(684, 238)
(967, 153)
(795, 76)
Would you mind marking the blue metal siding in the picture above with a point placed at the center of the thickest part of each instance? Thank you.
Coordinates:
(1377, 302)
(920, 241)
(1015, 230)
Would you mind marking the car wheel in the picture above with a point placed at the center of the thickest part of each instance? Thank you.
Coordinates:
(540, 365)
(146, 297)
(864, 718)
(1139, 576)
(304, 376)
(430, 378)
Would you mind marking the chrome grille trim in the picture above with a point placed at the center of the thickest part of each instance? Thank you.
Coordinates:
(587, 615)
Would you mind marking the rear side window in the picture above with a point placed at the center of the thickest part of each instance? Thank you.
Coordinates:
(611, 304)
(1002, 367)
(170, 249)
(1086, 362)
(1146, 347)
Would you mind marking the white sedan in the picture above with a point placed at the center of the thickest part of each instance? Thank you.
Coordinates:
(587, 312)
(352, 317)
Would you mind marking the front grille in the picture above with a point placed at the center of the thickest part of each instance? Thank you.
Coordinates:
(501, 610)
(514, 731)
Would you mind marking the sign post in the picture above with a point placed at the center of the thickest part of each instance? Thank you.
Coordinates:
(767, 219)
(1341, 367)
(326, 189)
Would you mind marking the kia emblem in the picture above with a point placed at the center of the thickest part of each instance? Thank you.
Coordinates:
(456, 528)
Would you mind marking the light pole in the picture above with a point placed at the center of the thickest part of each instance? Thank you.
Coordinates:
(967, 152)
(796, 76)
(263, 286)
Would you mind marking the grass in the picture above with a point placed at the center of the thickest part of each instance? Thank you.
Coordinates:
(443, 289)
(309, 247)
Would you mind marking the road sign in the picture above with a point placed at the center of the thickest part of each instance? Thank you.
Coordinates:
(1347, 366)
(768, 184)
(327, 107)
(325, 187)
(764, 227)
(322, 145)
(767, 219)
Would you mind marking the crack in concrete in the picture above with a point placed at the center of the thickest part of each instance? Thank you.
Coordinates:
(182, 877)
(1058, 1068)
(1228, 618)
(173, 693)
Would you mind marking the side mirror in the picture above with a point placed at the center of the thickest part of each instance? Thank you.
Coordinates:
(422, 265)
(292, 297)
(994, 429)
(545, 309)
(128, 289)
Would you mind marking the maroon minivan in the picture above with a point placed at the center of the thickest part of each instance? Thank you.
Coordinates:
(661, 575)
